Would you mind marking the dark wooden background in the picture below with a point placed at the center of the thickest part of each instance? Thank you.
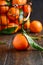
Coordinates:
(29, 57)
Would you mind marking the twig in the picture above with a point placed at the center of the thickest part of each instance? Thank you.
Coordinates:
(37, 37)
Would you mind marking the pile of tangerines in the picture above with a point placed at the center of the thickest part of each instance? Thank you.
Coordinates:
(9, 16)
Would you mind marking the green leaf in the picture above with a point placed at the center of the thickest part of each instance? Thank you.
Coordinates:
(2, 42)
(31, 42)
(8, 30)
(8, 2)
(21, 12)
(21, 15)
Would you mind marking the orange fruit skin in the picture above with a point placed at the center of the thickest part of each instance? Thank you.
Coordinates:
(20, 7)
(27, 8)
(20, 2)
(13, 13)
(27, 25)
(4, 20)
(3, 9)
(17, 22)
(20, 42)
(36, 26)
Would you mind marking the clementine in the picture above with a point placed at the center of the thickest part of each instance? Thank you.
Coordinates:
(3, 7)
(20, 42)
(35, 26)
(13, 13)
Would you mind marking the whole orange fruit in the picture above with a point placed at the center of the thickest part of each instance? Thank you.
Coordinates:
(36, 26)
(3, 8)
(13, 13)
(20, 42)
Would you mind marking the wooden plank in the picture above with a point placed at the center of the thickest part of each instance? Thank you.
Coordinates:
(41, 53)
(2, 57)
(7, 39)
(24, 58)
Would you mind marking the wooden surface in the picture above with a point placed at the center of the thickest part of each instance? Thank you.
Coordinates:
(9, 56)
(22, 58)
(29, 57)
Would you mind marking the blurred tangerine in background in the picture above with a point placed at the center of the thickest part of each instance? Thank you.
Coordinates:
(13, 13)
(3, 8)
(19, 2)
